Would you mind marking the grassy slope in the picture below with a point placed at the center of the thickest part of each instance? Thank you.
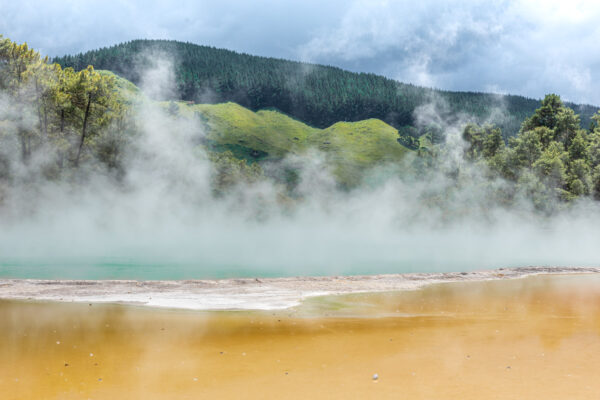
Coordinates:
(266, 131)
(351, 147)
(355, 146)
(123, 85)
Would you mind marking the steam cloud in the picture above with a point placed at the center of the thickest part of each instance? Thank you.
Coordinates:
(163, 220)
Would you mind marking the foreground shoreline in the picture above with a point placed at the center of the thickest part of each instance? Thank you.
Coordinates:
(531, 338)
(248, 293)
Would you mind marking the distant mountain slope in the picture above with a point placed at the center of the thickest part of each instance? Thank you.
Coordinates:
(318, 95)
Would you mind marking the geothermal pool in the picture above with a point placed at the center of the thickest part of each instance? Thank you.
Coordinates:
(146, 269)
(527, 338)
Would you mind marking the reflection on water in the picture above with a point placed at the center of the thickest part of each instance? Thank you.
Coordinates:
(537, 337)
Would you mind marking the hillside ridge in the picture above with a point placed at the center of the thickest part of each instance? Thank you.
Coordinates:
(318, 95)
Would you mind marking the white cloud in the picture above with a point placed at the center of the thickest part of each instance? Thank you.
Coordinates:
(522, 47)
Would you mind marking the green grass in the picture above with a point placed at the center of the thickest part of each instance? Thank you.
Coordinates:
(265, 131)
(353, 147)
(349, 147)
(125, 88)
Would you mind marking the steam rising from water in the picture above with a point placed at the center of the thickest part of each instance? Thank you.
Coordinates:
(164, 222)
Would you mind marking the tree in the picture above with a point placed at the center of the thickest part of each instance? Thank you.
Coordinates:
(526, 149)
(558, 119)
(43, 86)
(483, 141)
(92, 98)
(567, 126)
(492, 141)
(545, 134)
(550, 168)
(56, 110)
(546, 115)
(473, 135)
(593, 149)
(578, 148)
(596, 182)
(14, 62)
(579, 181)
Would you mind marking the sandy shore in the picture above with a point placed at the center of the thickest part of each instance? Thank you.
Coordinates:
(246, 294)
(531, 338)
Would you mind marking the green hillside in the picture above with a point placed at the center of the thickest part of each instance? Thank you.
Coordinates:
(266, 135)
(89, 121)
(318, 95)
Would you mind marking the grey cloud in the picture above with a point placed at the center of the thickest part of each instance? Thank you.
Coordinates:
(522, 47)
(266, 27)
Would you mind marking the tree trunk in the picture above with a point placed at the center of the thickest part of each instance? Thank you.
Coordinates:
(24, 139)
(24, 149)
(41, 113)
(85, 122)
(62, 122)
(45, 122)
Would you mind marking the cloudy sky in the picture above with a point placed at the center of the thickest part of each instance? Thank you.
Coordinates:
(520, 47)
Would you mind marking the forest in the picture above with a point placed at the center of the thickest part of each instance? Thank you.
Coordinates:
(550, 158)
(59, 124)
(67, 116)
(315, 94)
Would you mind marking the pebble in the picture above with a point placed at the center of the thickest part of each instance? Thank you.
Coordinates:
(375, 377)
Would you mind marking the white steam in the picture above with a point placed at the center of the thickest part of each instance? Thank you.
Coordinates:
(165, 222)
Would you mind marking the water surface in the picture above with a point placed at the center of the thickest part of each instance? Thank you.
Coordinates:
(531, 338)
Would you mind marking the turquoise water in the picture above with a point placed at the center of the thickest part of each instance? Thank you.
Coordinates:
(143, 270)
(140, 269)
(123, 269)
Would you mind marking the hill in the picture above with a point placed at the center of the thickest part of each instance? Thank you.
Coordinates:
(315, 94)
(269, 135)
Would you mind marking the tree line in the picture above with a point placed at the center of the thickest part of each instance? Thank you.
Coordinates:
(59, 119)
(315, 94)
(55, 116)
(551, 157)
(57, 123)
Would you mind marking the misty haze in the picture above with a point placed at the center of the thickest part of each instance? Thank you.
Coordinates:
(341, 178)
(170, 200)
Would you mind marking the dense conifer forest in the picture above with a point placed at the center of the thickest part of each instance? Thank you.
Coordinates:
(315, 94)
